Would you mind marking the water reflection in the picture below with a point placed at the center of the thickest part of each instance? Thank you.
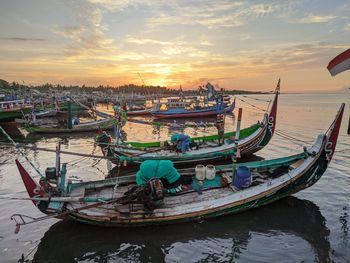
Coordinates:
(223, 239)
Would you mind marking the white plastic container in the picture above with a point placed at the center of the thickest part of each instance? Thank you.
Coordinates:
(200, 172)
(210, 172)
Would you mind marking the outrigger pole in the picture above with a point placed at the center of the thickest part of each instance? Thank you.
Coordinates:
(60, 151)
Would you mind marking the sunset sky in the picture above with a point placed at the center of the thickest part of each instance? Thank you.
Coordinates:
(232, 44)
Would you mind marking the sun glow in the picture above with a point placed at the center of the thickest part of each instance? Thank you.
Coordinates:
(229, 43)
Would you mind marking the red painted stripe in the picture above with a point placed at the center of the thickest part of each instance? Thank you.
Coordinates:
(339, 59)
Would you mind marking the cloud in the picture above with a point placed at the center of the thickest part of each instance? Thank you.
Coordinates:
(178, 46)
(143, 41)
(347, 27)
(22, 39)
(259, 10)
(87, 37)
(314, 19)
(215, 14)
(119, 5)
(205, 13)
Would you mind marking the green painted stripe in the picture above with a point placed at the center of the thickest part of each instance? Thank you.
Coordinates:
(243, 134)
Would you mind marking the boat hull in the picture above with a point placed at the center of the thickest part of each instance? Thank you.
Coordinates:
(108, 125)
(10, 115)
(192, 113)
(138, 113)
(304, 180)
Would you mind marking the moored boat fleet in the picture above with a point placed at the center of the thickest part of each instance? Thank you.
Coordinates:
(178, 179)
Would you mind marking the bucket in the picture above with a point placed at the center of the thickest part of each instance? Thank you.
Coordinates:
(210, 172)
(200, 172)
(242, 178)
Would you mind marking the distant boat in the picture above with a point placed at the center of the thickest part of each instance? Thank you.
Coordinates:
(46, 113)
(118, 202)
(138, 112)
(181, 109)
(104, 124)
(137, 108)
(13, 108)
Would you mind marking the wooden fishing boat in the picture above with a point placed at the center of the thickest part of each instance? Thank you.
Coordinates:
(137, 108)
(206, 148)
(180, 111)
(9, 110)
(116, 203)
(133, 112)
(45, 113)
(104, 124)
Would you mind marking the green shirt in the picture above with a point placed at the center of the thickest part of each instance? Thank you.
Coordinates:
(157, 168)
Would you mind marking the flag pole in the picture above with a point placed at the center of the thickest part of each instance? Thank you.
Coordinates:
(339, 64)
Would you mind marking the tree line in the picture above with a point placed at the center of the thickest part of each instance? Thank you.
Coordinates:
(8, 87)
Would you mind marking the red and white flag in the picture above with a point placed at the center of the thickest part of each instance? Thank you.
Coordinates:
(340, 63)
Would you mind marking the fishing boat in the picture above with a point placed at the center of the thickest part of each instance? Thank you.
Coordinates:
(137, 108)
(138, 112)
(180, 109)
(104, 124)
(204, 148)
(13, 108)
(45, 113)
(118, 202)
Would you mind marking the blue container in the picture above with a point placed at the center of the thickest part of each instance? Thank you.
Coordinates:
(242, 177)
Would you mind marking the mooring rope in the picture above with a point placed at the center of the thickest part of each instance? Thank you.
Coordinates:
(255, 98)
(291, 138)
(343, 150)
(78, 160)
(25, 258)
(20, 151)
(252, 105)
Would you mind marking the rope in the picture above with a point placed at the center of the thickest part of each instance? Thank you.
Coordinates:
(344, 150)
(252, 105)
(78, 160)
(255, 98)
(20, 151)
(25, 258)
(291, 138)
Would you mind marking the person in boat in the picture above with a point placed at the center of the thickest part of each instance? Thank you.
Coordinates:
(163, 170)
(181, 142)
(75, 121)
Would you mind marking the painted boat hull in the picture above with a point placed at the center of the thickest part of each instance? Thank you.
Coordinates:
(192, 113)
(138, 113)
(95, 126)
(47, 113)
(10, 115)
(248, 145)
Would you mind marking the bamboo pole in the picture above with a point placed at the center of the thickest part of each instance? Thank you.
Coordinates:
(59, 199)
(63, 152)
